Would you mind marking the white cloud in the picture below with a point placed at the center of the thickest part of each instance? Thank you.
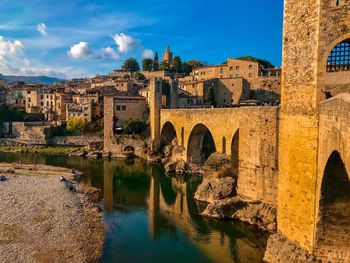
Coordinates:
(26, 62)
(9, 48)
(109, 52)
(42, 29)
(125, 43)
(12, 61)
(148, 53)
(81, 50)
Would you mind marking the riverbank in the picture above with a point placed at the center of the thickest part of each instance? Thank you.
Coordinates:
(45, 220)
(59, 150)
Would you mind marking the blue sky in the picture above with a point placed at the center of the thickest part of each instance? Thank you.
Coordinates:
(74, 38)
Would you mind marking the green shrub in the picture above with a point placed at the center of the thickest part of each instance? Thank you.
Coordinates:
(133, 127)
(76, 125)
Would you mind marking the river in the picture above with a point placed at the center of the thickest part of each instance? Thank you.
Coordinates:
(151, 217)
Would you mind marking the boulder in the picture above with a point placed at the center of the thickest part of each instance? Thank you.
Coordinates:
(182, 168)
(178, 153)
(174, 142)
(166, 160)
(168, 150)
(216, 160)
(170, 167)
(213, 189)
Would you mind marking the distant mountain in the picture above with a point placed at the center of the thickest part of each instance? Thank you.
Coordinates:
(31, 79)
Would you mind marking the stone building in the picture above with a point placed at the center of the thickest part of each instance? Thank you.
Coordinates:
(62, 100)
(227, 91)
(124, 108)
(161, 74)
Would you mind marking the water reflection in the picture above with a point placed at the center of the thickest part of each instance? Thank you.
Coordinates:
(153, 218)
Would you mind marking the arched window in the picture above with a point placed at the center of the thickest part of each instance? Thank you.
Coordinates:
(337, 2)
(339, 58)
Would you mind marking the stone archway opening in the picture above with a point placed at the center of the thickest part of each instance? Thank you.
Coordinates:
(200, 145)
(333, 228)
(339, 58)
(168, 134)
(235, 153)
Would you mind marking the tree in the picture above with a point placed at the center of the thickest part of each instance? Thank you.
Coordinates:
(263, 62)
(139, 76)
(131, 65)
(147, 64)
(177, 64)
(195, 63)
(165, 66)
(133, 127)
(11, 114)
(156, 62)
(76, 125)
(210, 97)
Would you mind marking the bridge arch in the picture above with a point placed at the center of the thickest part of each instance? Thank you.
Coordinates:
(200, 144)
(333, 226)
(167, 134)
(331, 47)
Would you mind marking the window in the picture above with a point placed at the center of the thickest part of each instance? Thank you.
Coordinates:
(339, 58)
(29, 100)
(237, 75)
(237, 67)
(231, 76)
(250, 75)
(123, 107)
(250, 66)
(337, 3)
(118, 107)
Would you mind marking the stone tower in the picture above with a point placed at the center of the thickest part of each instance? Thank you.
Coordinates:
(168, 56)
(155, 107)
(312, 28)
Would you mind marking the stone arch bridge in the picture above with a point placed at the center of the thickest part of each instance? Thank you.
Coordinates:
(248, 134)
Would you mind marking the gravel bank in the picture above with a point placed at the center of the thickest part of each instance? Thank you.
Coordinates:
(42, 221)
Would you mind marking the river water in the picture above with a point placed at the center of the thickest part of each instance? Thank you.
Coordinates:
(151, 217)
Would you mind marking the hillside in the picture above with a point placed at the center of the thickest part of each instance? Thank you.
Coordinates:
(31, 79)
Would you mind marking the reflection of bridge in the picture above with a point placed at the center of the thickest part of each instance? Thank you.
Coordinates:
(310, 134)
(171, 200)
(217, 246)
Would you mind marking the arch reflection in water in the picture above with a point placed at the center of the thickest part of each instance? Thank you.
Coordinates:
(153, 218)
(173, 215)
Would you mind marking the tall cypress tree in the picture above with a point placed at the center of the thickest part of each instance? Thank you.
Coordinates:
(156, 62)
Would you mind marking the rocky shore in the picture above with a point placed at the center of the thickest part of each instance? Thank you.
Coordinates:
(45, 220)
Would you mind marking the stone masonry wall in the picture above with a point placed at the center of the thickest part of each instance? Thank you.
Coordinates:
(258, 140)
(332, 231)
(311, 29)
